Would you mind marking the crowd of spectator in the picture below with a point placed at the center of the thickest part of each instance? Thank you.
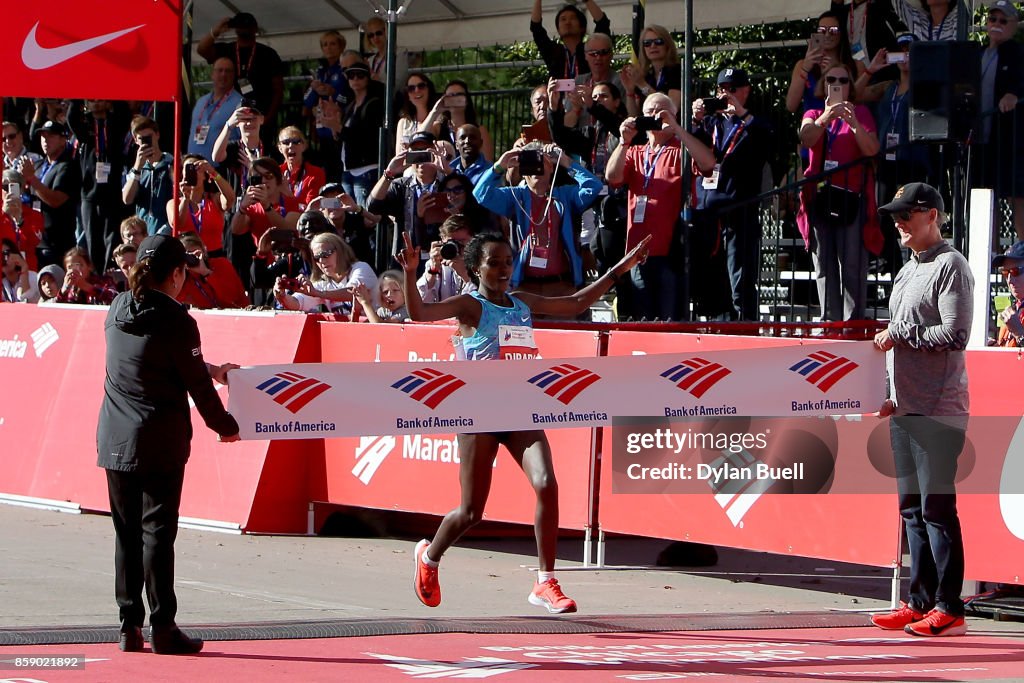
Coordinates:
(289, 214)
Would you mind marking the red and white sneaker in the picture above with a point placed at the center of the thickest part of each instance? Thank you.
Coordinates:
(898, 619)
(550, 596)
(424, 578)
(937, 623)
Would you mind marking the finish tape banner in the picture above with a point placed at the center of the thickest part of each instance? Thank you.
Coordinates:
(309, 401)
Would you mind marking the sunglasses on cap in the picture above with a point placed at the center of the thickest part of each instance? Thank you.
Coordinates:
(290, 141)
(1010, 272)
(842, 80)
(412, 87)
(829, 30)
(905, 216)
(998, 19)
(600, 53)
(326, 253)
(653, 41)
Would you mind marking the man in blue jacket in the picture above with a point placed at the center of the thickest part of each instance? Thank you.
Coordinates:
(544, 215)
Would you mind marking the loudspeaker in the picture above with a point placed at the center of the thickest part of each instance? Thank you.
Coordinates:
(945, 90)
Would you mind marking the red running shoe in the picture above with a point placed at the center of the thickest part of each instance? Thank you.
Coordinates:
(897, 619)
(550, 596)
(424, 578)
(937, 623)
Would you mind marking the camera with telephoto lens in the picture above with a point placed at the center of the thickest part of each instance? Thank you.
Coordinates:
(450, 250)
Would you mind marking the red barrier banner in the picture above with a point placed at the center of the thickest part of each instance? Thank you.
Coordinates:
(114, 50)
(54, 356)
(852, 528)
(420, 472)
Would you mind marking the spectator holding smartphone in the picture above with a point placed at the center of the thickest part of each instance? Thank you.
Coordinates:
(205, 196)
(19, 222)
(149, 183)
(336, 271)
(420, 98)
(827, 47)
(869, 26)
(82, 285)
(344, 216)
(453, 110)
(264, 203)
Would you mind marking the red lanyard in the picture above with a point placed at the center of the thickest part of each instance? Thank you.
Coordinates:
(299, 178)
(202, 114)
(101, 140)
(863, 24)
(731, 141)
(238, 61)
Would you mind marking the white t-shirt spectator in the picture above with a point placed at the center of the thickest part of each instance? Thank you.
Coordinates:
(359, 273)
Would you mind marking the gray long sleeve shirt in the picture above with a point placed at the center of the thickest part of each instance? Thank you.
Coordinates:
(931, 309)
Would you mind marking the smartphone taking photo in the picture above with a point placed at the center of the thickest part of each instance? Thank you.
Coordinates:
(895, 57)
(191, 175)
(419, 156)
(835, 94)
(330, 203)
(565, 85)
(646, 123)
(713, 105)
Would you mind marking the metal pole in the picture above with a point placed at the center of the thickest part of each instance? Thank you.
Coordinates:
(384, 137)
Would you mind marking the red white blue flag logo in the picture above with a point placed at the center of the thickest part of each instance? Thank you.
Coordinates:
(564, 382)
(824, 369)
(696, 375)
(429, 386)
(293, 390)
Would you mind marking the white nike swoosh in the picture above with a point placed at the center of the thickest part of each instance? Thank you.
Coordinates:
(37, 57)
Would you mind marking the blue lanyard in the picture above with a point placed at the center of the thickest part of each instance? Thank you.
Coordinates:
(650, 164)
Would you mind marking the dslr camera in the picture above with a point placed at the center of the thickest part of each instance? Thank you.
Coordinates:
(450, 250)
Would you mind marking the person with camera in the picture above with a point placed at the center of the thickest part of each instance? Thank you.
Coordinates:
(204, 197)
(280, 252)
(149, 183)
(742, 142)
(453, 110)
(260, 72)
(154, 363)
(82, 284)
(446, 274)
(20, 284)
(57, 184)
(566, 58)
(838, 218)
(413, 200)
(495, 324)
(329, 288)
(212, 282)
(653, 176)
(345, 217)
(544, 215)
(19, 222)
(264, 203)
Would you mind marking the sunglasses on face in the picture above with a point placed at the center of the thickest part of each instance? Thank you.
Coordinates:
(1010, 272)
(326, 253)
(600, 53)
(291, 141)
(10, 136)
(829, 30)
(412, 87)
(905, 216)
(458, 189)
(354, 75)
(728, 88)
(376, 34)
(653, 41)
(842, 80)
(997, 19)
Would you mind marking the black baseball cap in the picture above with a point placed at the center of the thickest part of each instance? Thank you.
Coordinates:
(361, 67)
(423, 137)
(733, 76)
(914, 196)
(165, 253)
(250, 104)
(54, 127)
(1015, 252)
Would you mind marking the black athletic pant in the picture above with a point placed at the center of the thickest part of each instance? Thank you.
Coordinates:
(144, 509)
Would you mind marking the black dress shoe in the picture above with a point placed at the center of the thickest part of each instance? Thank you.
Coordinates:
(173, 641)
(131, 639)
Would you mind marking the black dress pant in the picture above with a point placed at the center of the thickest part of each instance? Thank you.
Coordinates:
(144, 509)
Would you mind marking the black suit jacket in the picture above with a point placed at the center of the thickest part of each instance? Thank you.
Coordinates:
(154, 363)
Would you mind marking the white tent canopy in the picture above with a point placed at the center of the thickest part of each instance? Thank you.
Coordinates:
(292, 27)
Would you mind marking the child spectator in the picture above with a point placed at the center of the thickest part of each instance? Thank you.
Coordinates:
(81, 284)
(392, 299)
(49, 281)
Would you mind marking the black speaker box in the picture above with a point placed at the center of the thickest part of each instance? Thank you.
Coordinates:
(945, 90)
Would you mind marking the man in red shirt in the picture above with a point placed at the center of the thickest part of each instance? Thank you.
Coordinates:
(19, 222)
(213, 283)
(653, 174)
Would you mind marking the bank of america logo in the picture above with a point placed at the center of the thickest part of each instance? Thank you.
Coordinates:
(564, 382)
(429, 386)
(737, 496)
(43, 338)
(293, 390)
(696, 375)
(370, 455)
(824, 369)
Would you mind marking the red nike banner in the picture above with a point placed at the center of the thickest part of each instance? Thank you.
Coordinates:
(116, 50)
